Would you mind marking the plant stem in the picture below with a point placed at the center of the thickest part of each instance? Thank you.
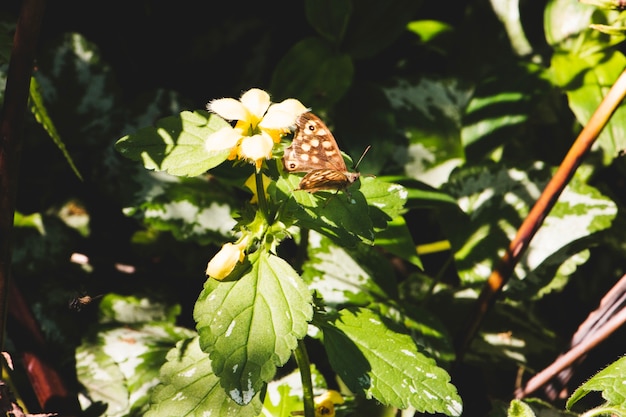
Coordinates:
(302, 359)
(260, 192)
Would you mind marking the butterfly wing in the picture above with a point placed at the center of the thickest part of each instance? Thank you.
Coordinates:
(324, 179)
(313, 147)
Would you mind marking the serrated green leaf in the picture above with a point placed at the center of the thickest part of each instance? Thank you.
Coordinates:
(251, 325)
(313, 71)
(341, 217)
(120, 366)
(190, 388)
(610, 383)
(372, 358)
(496, 199)
(347, 218)
(176, 144)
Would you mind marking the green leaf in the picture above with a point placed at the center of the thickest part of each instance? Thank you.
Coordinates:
(131, 309)
(251, 325)
(38, 108)
(396, 239)
(610, 383)
(347, 217)
(329, 18)
(518, 408)
(341, 276)
(372, 358)
(428, 113)
(586, 80)
(496, 199)
(120, 365)
(337, 215)
(176, 144)
(190, 388)
(501, 109)
(314, 72)
(190, 208)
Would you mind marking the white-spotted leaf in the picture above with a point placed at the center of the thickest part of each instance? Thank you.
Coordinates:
(251, 325)
(189, 387)
(372, 358)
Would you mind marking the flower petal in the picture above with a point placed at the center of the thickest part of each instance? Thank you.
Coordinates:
(228, 108)
(282, 115)
(224, 261)
(256, 148)
(256, 101)
(225, 138)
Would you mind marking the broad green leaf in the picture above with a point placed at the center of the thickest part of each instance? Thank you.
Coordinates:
(372, 358)
(396, 239)
(176, 144)
(249, 326)
(340, 216)
(503, 110)
(576, 14)
(120, 365)
(189, 387)
(313, 71)
(119, 361)
(428, 113)
(341, 276)
(38, 109)
(587, 79)
(190, 208)
(131, 309)
(385, 200)
(329, 18)
(609, 382)
(347, 217)
(496, 199)
(424, 326)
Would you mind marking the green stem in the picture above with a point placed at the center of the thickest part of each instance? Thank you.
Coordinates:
(302, 359)
(260, 192)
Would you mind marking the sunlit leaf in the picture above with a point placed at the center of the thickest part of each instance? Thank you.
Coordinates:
(190, 388)
(496, 199)
(251, 325)
(176, 144)
(609, 382)
(372, 358)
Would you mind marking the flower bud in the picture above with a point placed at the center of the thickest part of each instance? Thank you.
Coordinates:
(226, 259)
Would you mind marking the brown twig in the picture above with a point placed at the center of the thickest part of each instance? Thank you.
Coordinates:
(540, 210)
(11, 127)
(598, 325)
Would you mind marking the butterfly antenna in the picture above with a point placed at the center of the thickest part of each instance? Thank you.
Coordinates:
(362, 155)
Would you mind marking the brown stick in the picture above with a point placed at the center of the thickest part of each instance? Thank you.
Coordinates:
(540, 210)
(11, 127)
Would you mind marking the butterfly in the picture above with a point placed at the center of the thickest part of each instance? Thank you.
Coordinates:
(314, 150)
